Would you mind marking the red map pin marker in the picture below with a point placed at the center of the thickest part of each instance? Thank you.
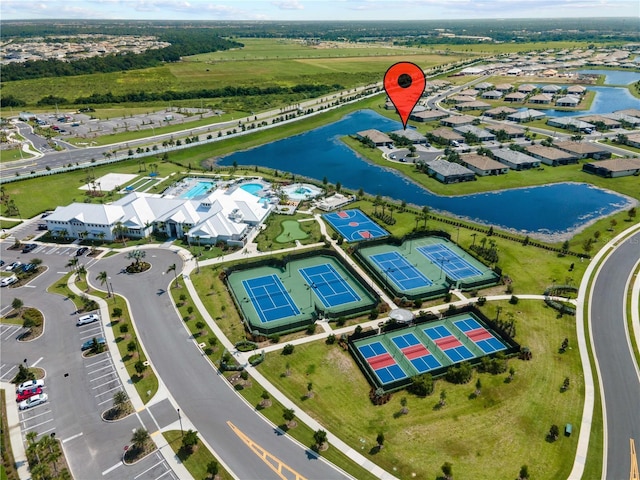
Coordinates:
(404, 83)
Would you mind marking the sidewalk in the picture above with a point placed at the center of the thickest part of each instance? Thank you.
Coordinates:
(15, 432)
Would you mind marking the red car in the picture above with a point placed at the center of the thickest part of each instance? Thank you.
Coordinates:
(28, 394)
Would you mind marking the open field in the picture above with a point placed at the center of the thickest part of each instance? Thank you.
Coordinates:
(13, 154)
(486, 437)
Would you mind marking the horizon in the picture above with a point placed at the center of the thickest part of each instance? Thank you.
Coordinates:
(315, 10)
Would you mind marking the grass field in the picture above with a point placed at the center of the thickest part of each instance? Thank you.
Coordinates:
(197, 462)
(487, 437)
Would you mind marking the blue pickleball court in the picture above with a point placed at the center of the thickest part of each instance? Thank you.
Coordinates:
(354, 225)
(398, 269)
(456, 267)
(269, 298)
(328, 285)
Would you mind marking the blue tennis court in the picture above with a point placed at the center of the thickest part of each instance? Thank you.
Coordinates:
(453, 264)
(269, 298)
(381, 362)
(480, 335)
(416, 352)
(400, 271)
(354, 225)
(328, 285)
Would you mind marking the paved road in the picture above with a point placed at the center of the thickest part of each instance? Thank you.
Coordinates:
(79, 388)
(203, 395)
(620, 378)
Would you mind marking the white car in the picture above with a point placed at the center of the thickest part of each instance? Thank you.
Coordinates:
(83, 320)
(13, 266)
(29, 385)
(6, 281)
(33, 401)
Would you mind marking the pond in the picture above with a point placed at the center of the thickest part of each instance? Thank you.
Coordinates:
(615, 77)
(607, 100)
(549, 212)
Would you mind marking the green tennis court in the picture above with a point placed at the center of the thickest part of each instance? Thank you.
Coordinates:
(284, 297)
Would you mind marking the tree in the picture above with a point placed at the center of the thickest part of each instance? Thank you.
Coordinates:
(288, 414)
(320, 437)
(380, 439)
(447, 470)
(103, 278)
(478, 386)
(17, 305)
(443, 398)
(119, 231)
(140, 367)
(554, 432)
(173, 268)
(119, 399)
(632, 213)
(524, 473)
(425, 215)
(212, 468)
(189, 441)
(422, 385)
(139, 438)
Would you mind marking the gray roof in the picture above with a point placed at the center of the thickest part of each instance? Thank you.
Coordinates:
(513, 156)
(447, 169)
(411, 134)
(529, 113)
(477, 131)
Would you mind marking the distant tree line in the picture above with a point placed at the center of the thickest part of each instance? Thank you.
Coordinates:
(183, 42)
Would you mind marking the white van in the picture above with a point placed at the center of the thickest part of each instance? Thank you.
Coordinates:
(83, 320)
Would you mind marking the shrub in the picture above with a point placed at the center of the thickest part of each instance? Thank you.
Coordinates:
(422, 385)
(288, 349)
(331, 339)
(460, 374)
(513, 300)
(124, 328)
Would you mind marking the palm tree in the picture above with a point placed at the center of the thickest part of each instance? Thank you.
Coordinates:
(81, 271)
(104, 278)
(73, 263)
(119, 399)
(173, 268)
(425, 215)
(139, 438)
(101, 236)
(118, 231)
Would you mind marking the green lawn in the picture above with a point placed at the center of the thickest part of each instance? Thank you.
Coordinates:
(274, 236)
(197, 462)
(487, 437)
(12, 154)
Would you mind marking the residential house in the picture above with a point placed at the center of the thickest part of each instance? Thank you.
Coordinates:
(526, 88)
(475, 105)
(483, 86)
(483, 165)
(617, 167)
(509, 130)
(584, 149)
(457, 120)
(633, 140)
(446, 136)
(499, 112)
(448, 172)
(568, 101)
(427, 116)
(552, 89)
(526, 115)
(570, 123)
(552, 156)
(515, 97)
(411, 134)
(576, 90)
(504, 87)
(492, 95)
(482, 134)
(601, 122)
(379, 138)
(515, 160)
(543, 98)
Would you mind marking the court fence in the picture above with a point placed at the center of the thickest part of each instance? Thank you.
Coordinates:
(303, 321)
(423, 318)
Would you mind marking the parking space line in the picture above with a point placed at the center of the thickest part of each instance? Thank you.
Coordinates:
(38, 424)
(36, 362)
(105, 401)
(102, 376)
(168, 471)
(106, 383)
(46, 431)
(36, 416)
(86, 337)
(151, 467)
(98, 369)
(110, 390)
(111, 469)
(72, 437)
(99, 361)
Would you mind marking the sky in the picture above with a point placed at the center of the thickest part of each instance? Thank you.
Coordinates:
(301, 10)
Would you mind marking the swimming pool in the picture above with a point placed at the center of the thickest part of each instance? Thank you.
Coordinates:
(252, 188)
(301, 191)
(199, 189)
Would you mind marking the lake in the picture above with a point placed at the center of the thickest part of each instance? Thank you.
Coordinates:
(547, 212)
(615, 77)
(607, 100)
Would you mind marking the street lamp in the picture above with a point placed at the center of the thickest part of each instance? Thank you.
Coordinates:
(180, 420)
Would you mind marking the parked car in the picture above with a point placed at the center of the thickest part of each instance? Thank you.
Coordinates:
(2, 262)
(85, 319)
(6, 281)
(29, 247)
(29, 385)
(28, 267)
(81, 251)
(42, 226)
(12, 266)
(89, 343)
(33, 401)
(22, 396)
